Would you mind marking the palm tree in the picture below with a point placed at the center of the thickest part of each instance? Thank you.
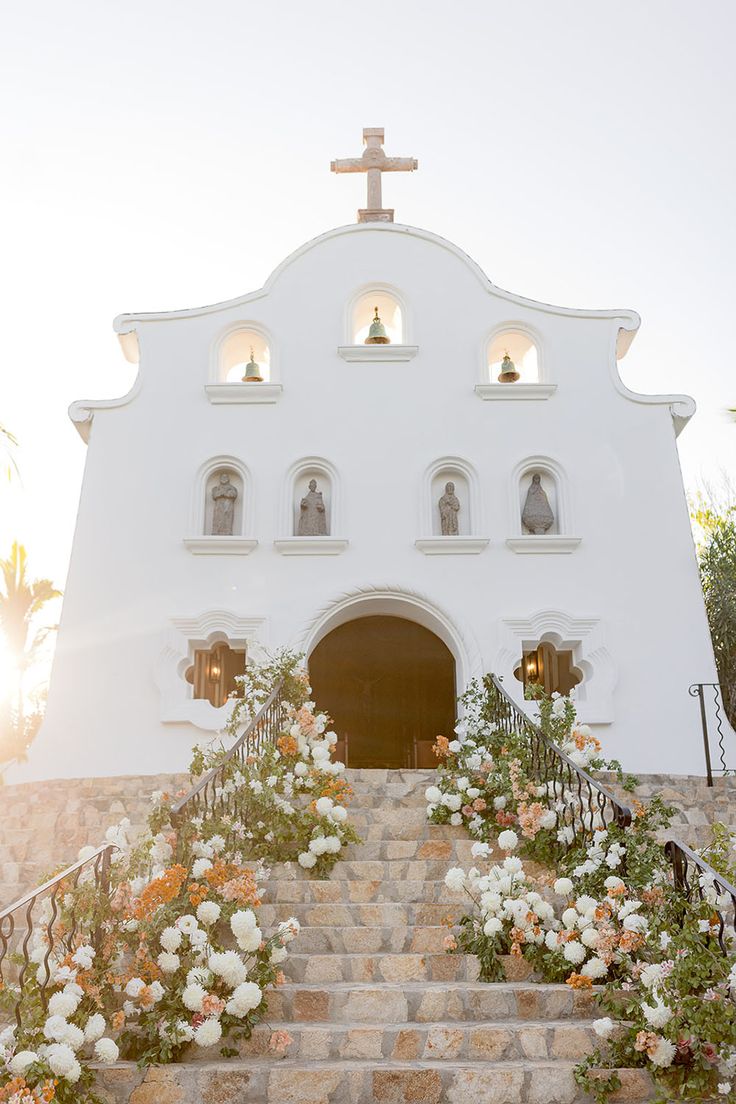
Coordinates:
(21, 600)
(8, 442)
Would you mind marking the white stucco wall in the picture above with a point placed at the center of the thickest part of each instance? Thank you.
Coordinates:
(628, 594)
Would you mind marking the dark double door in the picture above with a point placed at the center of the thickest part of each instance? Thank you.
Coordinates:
(389, 686)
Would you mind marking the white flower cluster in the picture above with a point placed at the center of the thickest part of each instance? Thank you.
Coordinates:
(65, 1038)
(600, 854)
(505, 900)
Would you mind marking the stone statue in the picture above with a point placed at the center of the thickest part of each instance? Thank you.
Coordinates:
(223, 517)
(449, 509)
(312, 513)
(537, 514)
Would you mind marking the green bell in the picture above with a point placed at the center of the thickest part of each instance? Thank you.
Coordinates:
(508, 373)
(377, 334)
(252, 371)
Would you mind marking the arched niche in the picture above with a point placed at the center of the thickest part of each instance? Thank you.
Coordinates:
(229, 357)
(549, 476)
(393, 312)
(235, 352)
(522, 346)
(390, 310)
(469, 536)
(321, 505)
(206, 518)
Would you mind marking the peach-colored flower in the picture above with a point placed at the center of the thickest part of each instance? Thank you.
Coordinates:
(279, 1041)
(212, 1005)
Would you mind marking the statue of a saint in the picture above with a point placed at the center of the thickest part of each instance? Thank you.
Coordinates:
(223, 516)
(537, 514)
(449, 510)
(312, 513)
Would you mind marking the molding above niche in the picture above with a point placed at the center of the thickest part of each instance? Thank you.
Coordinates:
(375, 354)
(243, 392)
(506, 391)
(219, 545)
(451, 546)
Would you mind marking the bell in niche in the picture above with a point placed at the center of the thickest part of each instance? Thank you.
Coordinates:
(252, 371)
(377, 334)
(508, 373)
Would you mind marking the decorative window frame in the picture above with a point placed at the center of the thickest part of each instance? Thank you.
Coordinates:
(204, 544)
(492, 391)
(584, 637)
(182, 638)
(377, 353)
(560, 542)
(290, 545)
(434, 544)
(222, 391)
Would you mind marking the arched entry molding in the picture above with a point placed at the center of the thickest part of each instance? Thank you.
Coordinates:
(392, 601)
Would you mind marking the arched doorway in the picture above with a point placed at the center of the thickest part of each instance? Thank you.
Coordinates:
(389, 686)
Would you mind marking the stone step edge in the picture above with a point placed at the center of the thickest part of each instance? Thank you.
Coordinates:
(420, 1025)
(347, 1065)
(416, 986)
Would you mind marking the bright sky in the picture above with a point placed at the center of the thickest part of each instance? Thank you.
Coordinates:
(169, 153)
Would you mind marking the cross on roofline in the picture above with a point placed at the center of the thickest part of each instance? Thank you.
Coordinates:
(374, 162)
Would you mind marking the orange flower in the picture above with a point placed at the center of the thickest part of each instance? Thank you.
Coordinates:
(441, 747)
(197, 893)
(449, 942)
(287, 745)
(118, 1020)
(579, 981)
(159, 892)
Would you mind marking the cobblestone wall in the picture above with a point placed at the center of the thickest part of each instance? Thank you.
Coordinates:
(44, 824)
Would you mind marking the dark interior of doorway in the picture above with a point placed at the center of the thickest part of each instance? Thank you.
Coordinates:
(389, 686)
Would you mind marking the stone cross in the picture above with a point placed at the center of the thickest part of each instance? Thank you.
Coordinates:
(374, 162)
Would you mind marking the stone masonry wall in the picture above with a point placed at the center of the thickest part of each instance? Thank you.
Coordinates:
(44, 824)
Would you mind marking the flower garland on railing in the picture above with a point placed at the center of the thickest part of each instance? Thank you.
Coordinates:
(180, 958)
(613, 917)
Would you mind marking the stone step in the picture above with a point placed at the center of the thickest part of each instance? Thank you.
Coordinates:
(385, 870)
(395, 939)
(387, 967)
(355, 914)
(359, 890)
(382, 1081)
(429, 1001)
(380, 779)
(452, 851)
(485, 1042)
(411, 829)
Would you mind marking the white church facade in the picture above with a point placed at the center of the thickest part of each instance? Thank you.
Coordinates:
(562, 553)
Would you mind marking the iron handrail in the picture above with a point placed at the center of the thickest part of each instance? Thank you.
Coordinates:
(682, 858)
(260, 732)
(552, 764)
(99, 863)
(697, 690)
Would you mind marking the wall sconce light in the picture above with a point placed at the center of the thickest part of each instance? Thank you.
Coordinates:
(531, 666)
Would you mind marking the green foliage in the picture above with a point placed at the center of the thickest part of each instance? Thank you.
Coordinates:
(716, 524)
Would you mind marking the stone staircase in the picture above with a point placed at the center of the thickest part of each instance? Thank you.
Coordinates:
(376, 1009)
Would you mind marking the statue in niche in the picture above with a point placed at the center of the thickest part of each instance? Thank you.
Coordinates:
(537, 514)
(449, 509)
(312, 513)
(224, 494)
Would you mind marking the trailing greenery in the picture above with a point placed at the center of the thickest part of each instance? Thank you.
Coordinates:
(614, 918)
(180, 960)
(716, 527)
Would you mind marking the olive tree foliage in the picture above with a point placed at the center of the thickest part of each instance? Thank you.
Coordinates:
(714, 522)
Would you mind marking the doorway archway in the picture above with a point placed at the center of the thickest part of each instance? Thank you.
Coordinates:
(389, 685)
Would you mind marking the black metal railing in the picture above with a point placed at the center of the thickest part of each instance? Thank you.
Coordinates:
(209, 796)
(712, 716)
(588, 802)
(41, 910)
(693, 876)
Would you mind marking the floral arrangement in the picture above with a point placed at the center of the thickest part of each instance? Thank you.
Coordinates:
(180, 959)
(612, 919)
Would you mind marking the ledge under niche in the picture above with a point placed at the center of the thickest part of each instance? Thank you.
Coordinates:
(451, 546)
(311, 546)
(377, 353)
(220, 545)
(515, 391)
(243, 392)
(550, 543)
